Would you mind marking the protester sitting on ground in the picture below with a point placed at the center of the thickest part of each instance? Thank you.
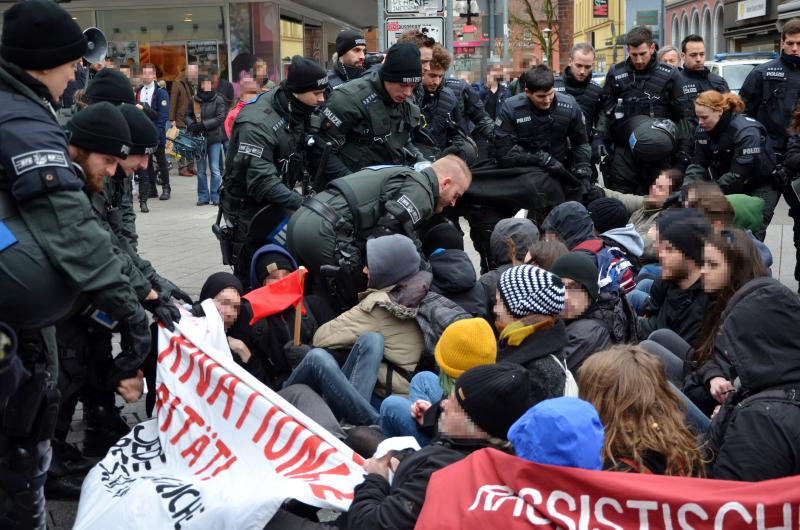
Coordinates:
(730, 260)
(642, 414)
(594, 320)
(508, 244)
(754, 436)
(563, 431)
(544, 253)
(453, 273)
(610, 218)
(677, 300)
(529, 301)
(463, 345)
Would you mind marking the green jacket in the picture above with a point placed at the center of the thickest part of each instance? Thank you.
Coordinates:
(61, 220)
(362, 126)
(119, 190)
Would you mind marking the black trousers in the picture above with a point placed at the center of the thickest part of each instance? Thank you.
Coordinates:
(158, 158)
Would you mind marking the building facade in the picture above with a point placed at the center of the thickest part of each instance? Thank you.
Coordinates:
(703, 17)
(602, 32)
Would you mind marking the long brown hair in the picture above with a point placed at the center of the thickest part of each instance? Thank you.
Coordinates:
(640, 411)
(727, 102)
(744, 263)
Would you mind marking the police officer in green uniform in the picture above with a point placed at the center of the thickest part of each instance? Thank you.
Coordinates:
(266, 156)
(369, 120)
(332, 227)
(52, 251)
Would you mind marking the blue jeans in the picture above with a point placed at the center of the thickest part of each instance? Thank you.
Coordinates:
(210, 158)
(396, 417)
(347, 391)
(638, 297)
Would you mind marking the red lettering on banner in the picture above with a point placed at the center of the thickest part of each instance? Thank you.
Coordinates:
(340, 469)
(319, 491)
(206, 367)
(192, 418)
(264, 423)
(229, 392)
(246, 411)
(222, 451)
(196, 448)
(309, 447)
(269, 448)
(171, 406)
(189, 367)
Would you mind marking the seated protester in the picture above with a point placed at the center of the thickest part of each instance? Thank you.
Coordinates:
(529, 300)
(563, 431)
(730, 260)
(610, 218)
(508, 244)
(642, 414)
(544, 253)
(396, 287)
(453, 273)
(677, 300)
(754, 436)
(464, 344)
(594, 320)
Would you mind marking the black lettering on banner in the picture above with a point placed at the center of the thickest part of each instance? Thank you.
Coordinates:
(184, 501)
(130, 454)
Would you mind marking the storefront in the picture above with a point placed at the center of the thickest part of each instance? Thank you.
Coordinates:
(750, 25)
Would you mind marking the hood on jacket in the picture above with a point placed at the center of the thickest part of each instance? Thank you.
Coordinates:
(563, 431)
(453, 271)
(766, 355)
(613, 312)
(570, 221)
(401, 300)
(628, 238)
(263, 250)
(748, 212)
(523, 232)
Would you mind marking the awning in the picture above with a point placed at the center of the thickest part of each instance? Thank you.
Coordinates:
(749, 31)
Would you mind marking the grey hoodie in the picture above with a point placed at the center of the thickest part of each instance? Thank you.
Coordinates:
(627, 237)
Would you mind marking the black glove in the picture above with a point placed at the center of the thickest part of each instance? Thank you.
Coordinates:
(135, 331)
(166, 287)
(295, 353)
(195, 128)
(583, 173)
(598, 149)
(164, 311)
(682, 160)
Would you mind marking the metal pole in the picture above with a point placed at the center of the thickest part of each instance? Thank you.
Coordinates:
(491, 30)
(506, 56)
(448, 37)
(381, 26)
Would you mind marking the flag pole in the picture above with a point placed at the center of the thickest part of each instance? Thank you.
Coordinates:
(298, 309)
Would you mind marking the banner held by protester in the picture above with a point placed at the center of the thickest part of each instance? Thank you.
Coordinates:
(223, 452)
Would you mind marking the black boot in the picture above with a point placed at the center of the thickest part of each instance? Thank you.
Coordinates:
(143, 206)
(68, 460)
(165, 191)
(153, 194)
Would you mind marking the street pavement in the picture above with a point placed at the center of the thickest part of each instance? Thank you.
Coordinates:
(176, 237)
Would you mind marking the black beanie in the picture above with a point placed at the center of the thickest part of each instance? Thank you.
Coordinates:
(144, 135)
(218, 282)
(402, 64)
(110, 85)
(270, 261)
(494, 396)
(686, 229)
(40, 34)
(305, 76)
(443, 235)
(579, 267)
(608, 213)
(347, 40)
(101, 128)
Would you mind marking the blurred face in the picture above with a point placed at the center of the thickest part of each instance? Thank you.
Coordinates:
(549, 235)
(659, 191)
(455, 423)
(355, 57)
(694, 58)
(432, 79)
(716, 272)
(581, 65)
(671, 58)
(206, 86)
(541, 99)
(502, 317)
(577, 300)
(274, 276)
(227, 303)
(674, 265)
(148, 75)
(426, 56)
(450, 189)
(399, 92)
(261, 70)
(707, 117)
(313, 98)
(494, 75)
(791, 44)
(640, 55)
(134, 162)
(192, 72)
(56, 79)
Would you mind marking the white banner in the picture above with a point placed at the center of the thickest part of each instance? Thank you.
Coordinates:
(223, 452)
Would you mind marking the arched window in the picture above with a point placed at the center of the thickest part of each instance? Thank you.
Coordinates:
(684, 26)
(719, 29)
(705, 29)
(675, 31)
(695, 26)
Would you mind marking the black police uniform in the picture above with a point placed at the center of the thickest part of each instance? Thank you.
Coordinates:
(695, 82)
(439, 133)
(475, 121)
(341, 74)
(589, 95)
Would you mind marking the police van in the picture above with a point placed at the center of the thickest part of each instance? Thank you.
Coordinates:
(734, 67)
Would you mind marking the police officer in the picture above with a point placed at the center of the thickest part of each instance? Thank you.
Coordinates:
(577, 82)
(351, 49)
(370, 120)
(770, 93)
(475, 121)
(695, 77)
(266, 157)
(53, 248)
(732, 150)
(639, 86)
(332, 227)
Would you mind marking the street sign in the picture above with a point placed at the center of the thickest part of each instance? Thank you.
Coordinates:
(413, 6)
(431, 26)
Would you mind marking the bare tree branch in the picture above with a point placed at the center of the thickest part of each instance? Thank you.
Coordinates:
(541, 16)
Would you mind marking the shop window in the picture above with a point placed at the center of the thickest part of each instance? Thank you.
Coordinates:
(291, 38)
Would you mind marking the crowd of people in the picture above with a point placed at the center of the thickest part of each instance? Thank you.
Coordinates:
(641, 311)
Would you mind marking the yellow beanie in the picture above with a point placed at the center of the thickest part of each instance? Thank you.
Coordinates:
(465, 344)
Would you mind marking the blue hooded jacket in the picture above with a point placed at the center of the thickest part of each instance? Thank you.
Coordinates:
(263, 250)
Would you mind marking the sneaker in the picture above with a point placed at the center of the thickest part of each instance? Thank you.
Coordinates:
(201, 203)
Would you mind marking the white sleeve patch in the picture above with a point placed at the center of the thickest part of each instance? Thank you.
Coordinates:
(250, 150)
(36, 159)
(410, 207)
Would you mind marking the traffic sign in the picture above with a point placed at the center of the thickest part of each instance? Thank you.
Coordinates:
(431, 26)
(413, 6)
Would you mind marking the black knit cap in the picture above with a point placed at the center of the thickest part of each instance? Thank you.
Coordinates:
(39, 34)
(685, 229)
(144, 135)
(608, 213)
(218, 282)
(110, 85)
(101, 128)
(270, 261)
(494, 396)
(305, 76)
(579, 267)
(347, 40)
(402, 64)
(443, 235)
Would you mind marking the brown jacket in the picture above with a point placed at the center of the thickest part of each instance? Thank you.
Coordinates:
(180, 99)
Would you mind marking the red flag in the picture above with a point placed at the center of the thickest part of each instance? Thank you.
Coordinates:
(277, 296)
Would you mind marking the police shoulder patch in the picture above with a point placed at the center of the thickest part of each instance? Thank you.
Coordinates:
(37, 159)
(409, 206)
(333, 118)
(250, 150)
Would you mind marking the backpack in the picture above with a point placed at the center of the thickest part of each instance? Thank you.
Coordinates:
(614, 267)
(570, 385)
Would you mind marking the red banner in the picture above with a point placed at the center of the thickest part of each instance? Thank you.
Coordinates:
(493, 490)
